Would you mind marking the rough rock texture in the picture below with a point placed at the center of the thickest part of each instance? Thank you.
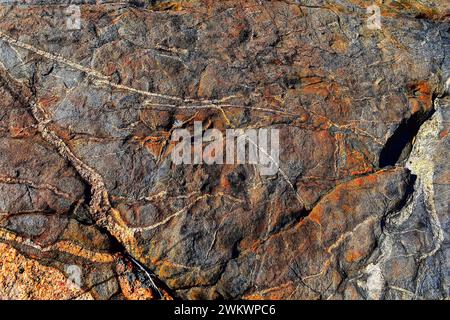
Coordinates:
(358, 210)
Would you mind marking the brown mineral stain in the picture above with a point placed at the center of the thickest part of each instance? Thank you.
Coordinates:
(316, 214)
(167, 6)
(47, 101)
(20, 132)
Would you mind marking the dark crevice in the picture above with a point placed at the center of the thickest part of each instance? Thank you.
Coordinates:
(117, 248)
(409, 191)
(20, 94)
(399, 145)
(154, 282)
(288, 221)
(403, 202)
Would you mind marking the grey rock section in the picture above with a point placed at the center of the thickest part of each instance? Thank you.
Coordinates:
(415, 246)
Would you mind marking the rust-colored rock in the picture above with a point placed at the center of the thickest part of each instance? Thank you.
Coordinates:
(358, 209)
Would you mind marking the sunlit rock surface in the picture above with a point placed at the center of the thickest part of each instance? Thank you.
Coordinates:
(91, 205)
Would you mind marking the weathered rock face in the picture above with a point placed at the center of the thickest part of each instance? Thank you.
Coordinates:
(359, 208)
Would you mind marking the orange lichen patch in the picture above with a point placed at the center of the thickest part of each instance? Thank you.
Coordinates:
(338, 194)
(362, 171)
(424, 88)
(443, 133)
(316, 214)
(76, 250)
(364, 181)
(421, 96)
(253, 247)
(155, 147)
(320, 89)
(254, 297)
(354, 255)
(134, 290)
(22, 278)
(356, 162)
(372, 179)
(347, 209)
(21, 132)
